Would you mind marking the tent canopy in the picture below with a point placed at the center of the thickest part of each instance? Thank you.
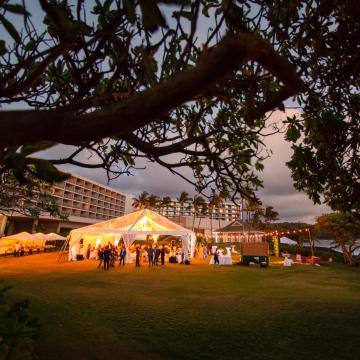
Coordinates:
(38, 239)
(39, 236)
(128, 228)
(23, 236)
(139, 222)
(285, 240)
(53, 236)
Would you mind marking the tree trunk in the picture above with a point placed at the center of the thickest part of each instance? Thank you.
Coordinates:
(348, 258)
(193, 225)
(199, 221)
(312, 244)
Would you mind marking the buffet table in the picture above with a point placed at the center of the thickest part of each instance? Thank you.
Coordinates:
(223, 260)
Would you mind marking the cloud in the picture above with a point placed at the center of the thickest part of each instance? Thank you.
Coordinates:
(278, 190)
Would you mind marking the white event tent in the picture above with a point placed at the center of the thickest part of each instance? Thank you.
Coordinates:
(129, 228)
(24, 238)
(7, 242)
(53, 236)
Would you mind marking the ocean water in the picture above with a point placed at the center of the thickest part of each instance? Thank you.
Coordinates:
(330, 244)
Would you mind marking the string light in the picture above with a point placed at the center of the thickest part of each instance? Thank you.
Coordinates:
(277, 233)
(246, 237)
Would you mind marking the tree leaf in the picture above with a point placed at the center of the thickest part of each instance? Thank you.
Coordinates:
(292, 133)
(177, 2)
(152, 17)
(186, 14)
(29, 46)
(15, 8)
(45, 170)
(205, 11)
(38, 146)
(10, 29)
(130, 10)
(18, 161)
(3, 49)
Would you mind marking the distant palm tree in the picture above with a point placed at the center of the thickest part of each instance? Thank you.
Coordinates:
(215, 201)
(203, 210)
(182, 199)
(141, 201)
(270, 214)
(197, 202)
(166, 201)
(219, 202)
(153, 201)
(254, 213)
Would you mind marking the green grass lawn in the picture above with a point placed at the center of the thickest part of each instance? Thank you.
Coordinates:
(189, 312)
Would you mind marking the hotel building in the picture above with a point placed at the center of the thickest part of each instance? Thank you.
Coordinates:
(226, 212)
(84, 202)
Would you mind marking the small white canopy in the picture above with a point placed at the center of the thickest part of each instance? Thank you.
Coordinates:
(285, 240)
(7, 242)
(129, 228)
(23, 236)
(53, 236)
(39, 236)
(26, 239)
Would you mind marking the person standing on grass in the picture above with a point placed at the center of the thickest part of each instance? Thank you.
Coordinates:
(112, 255)
(17, 249)
(216, 256)
(88, 251)
(151, 255)
(100, 255)
(157, 254)
(205, 252)
(162, 255)
(138, 254)
(200, 253)
(106, 257)
(122, 256)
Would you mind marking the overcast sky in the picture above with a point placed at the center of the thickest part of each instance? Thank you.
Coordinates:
(278, 190)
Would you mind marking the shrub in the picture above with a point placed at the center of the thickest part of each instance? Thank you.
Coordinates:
(17, 331)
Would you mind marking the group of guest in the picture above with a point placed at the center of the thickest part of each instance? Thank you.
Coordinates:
(153, 255)
(177, 254)
(19, 249)
(203, 251)
(109, 254)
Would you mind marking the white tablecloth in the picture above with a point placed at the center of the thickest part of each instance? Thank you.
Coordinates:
(223, 260)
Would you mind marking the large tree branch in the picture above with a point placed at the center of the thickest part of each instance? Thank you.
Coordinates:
(150, 105)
